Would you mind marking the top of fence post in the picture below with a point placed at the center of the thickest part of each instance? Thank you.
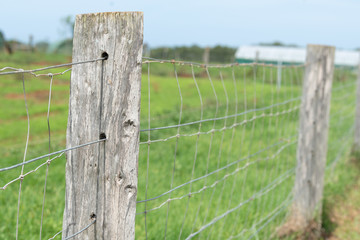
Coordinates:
(101, 180)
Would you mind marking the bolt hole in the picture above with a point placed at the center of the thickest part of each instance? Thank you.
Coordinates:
(105, 55)
(102, 136)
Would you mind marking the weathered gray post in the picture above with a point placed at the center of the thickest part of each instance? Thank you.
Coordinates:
(101, 179)
(356, 146)
(313, 139)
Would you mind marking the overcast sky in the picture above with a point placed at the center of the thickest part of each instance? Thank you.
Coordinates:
(201, 22)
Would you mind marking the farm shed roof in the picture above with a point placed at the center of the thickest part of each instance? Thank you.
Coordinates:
(291, 54)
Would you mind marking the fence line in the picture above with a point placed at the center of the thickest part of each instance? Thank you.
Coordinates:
(274, 112)
(22, 175)
(61, 152)
(198, 169)
(246, 117)
(201, 65)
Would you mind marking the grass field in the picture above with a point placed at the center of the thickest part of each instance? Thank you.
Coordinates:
(256, 151)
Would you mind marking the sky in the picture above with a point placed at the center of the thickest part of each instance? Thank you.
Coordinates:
(202, 22)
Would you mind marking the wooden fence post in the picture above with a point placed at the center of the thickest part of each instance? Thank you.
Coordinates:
(312, 140)
(356, 146)
(101, 179)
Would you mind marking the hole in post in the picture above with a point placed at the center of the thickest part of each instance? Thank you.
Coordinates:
(102, 136)
(105, 55)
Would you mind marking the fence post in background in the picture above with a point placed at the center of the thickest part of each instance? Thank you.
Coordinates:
(356, 146)
(101, 179)
(206, 55)
(312, 140)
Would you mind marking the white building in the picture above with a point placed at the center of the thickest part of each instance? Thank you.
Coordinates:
(289, 55)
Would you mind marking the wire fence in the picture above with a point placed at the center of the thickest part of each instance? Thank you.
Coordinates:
(217, 148)
(23, 172)
(342, 115)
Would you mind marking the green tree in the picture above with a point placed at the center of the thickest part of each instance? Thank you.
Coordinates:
(222, 54)
(218, 54)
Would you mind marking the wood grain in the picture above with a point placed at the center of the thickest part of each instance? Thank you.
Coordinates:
(313, 135)
(101, 179)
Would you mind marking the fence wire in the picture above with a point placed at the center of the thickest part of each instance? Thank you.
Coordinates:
(342, 116)
(217, 149)
(39, 212)
(217, 153)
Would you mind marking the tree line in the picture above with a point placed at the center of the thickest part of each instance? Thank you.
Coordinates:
(216, 54)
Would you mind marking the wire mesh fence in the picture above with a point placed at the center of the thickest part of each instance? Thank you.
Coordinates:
(32, 175)
(342, 115)
(217, 148)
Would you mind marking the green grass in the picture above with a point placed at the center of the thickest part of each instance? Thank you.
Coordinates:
(260, 148)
